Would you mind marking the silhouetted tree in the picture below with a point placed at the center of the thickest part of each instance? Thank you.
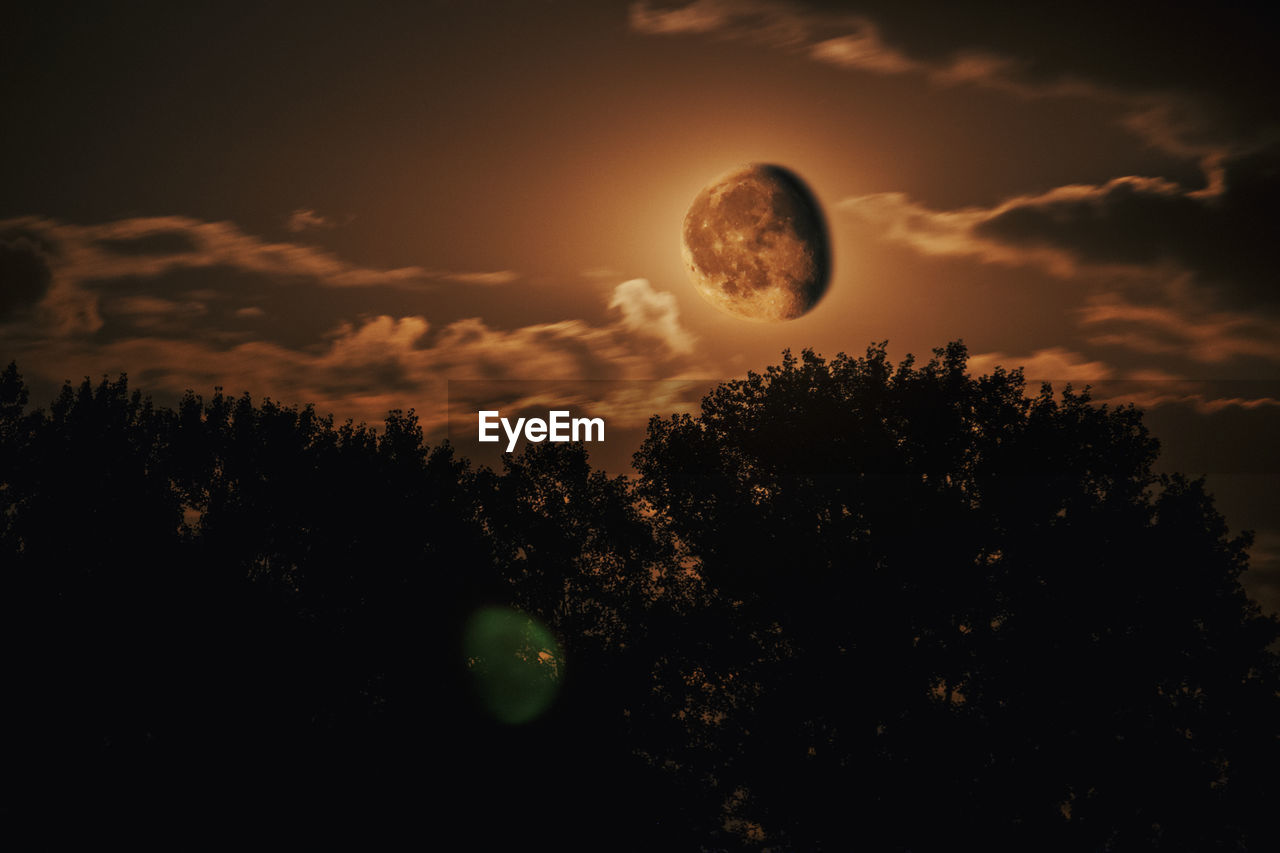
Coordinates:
(92, 545)
(849, 605)
(947, 611)
(347, 561)
(579, 555)
(228, 609)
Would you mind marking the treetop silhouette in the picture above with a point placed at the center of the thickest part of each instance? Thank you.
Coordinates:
(951, 597)
(850, 604)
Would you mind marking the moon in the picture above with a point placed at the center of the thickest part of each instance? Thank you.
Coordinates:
(755, 244)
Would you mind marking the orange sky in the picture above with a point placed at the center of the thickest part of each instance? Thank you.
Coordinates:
(351, 206)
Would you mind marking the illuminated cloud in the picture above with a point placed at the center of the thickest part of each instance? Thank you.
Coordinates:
(863, 49)
(848, 41)
(839, 39)
(61, 272)
(304, 219)
(368, 367)
(856, 42)
(148, 246)
(1054, 364)
(1187, 330)
(1204, 403)
(650, 312)
(155, 241)
(703, 16)
(179, 304)
(482, 278)
(954, 232)
(1129, 225)
(1146, 388)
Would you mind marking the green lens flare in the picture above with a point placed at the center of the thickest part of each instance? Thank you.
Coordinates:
(515, 661)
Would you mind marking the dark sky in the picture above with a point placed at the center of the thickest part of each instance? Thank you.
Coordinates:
(349, 204)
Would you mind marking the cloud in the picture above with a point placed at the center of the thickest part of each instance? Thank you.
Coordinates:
(25, 274)
(1145, 388)
(181, 304)
(864, 50)
(306, 219)
(955, 232)
(1199, 263)
(650, 312)
(845, 40)
(1020, 54)
(700, 17)
(1223, 234)
(481, 278)
(1053, 364)
(148, 246)
(1204, 403)
(155, 242)
(1205, 249)
(60, 269)
(366, 367)
(1182, 328)
(1132, 225)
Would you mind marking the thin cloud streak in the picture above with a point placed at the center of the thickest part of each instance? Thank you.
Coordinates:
(855, 43)
(305, 219)
(972, 231)
(1145, 388)
(147, 247)
(1186, 330)
(481, 278)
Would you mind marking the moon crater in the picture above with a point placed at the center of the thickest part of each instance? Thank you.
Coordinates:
(755, 244)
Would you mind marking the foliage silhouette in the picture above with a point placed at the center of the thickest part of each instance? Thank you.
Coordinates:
(851, 604)
(960, 612)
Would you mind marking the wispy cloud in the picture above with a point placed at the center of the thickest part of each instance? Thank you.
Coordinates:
(1052, 364)
(1021, 230)
(1186, 330)
(1218, 236)
(119, 297)
(306, 219)
(365, 367)
(481, 278)
(845, 40)
(842, 39)
(59, 260)
(147, 246)
(646, 311)
(1146, 388)
(950, 232)
(855, 42)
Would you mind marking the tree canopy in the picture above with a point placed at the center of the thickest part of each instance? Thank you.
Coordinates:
(850, 604)
(961, 611)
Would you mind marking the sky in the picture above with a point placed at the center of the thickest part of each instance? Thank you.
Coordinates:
(355, 205)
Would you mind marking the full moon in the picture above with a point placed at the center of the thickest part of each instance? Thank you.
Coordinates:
(755, 244)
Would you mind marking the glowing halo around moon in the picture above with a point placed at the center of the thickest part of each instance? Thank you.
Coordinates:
(755, 244)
